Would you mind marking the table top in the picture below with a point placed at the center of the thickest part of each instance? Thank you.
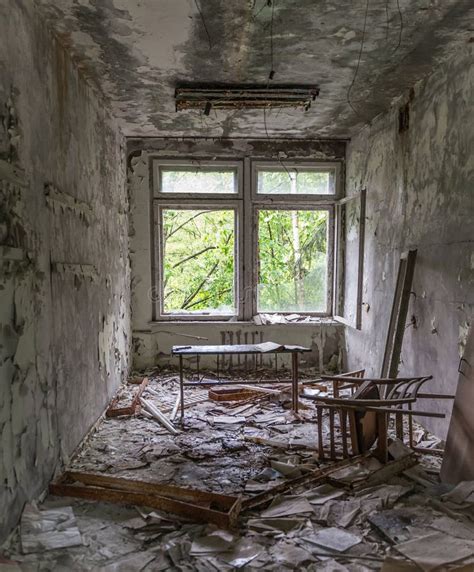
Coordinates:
(263, 348)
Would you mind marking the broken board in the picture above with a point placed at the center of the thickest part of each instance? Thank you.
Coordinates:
(458, 461)
(133, 408)
(202, 506)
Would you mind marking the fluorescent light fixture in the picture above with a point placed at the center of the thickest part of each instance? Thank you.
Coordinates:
(205, 98)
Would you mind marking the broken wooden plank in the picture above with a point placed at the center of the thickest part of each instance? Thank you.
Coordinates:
(202, 506)
(311, 477)
(235, 394)
(133, 408)
(458, 461)
(388, 470)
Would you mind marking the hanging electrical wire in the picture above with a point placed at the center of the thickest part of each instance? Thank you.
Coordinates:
(204, 23)
(358, 60)
(401, 27)
(271, 75)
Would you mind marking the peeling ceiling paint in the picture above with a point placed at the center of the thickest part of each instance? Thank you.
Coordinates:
(137, 51)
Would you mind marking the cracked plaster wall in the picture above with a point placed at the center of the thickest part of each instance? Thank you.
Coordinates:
(420, 195)
(64, 272)
(152, 341)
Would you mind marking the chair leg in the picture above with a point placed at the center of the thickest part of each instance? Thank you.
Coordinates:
(399, 426)
(343, 417)
(332, 433)
(410, 428)
(319, 411)
(381, 452)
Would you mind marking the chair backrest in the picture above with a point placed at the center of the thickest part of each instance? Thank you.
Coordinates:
(408, 388)
(356, 373)
(364, 423)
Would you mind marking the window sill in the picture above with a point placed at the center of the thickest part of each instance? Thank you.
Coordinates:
(155, 325)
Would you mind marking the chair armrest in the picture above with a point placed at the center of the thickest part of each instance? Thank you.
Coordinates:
(359, 402)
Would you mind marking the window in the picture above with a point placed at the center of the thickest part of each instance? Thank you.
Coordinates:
(227, 250)
(304, 181)
(293, 260)
(198, 261)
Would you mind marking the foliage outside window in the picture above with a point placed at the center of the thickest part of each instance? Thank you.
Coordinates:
(292, 248)
(286, 240)
(198, 261)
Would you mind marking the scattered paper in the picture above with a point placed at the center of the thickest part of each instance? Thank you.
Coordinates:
(323, 493)
(286, 469)
(211, 544)
(274, 524)
(463, 493)
(228, 419)
(358, 471)
(334, 539)
(436, 550)
(337, 513)
(48, 529)
(454, 527)
(287, 506)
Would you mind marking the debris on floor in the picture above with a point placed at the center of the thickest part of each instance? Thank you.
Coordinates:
(48, 529)
(292, 510)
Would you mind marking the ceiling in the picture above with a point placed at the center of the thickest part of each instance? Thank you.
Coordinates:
(139, 50)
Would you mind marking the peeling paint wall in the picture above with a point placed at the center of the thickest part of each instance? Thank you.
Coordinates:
(417, 165)
(152, 341)
(140, 51)
(64, 277)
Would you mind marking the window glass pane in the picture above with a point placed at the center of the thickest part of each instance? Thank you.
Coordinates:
(197, 180)
(295, 181)
(293, 260)
(198, 261)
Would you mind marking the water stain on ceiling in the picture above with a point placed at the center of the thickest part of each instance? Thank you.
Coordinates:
(362, 54)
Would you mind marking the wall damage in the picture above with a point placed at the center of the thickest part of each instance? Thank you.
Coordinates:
(419, 195)
(63, 257)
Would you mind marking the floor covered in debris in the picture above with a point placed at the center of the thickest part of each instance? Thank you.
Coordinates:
(362, 517)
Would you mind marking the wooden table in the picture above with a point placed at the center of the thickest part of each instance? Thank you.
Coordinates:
(263, 348)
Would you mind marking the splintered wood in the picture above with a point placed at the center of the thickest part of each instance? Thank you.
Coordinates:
(203, 506)
(133, 408)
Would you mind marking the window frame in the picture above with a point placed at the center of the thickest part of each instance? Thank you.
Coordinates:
(159, 262)
(205, 164)
(294, 197)
(246, 203)
(330, 255)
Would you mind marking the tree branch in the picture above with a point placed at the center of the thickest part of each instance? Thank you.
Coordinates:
(207, 298)
(186, 222)
(194, 255)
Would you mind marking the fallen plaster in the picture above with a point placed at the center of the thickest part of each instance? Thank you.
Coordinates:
(419, 195)
(355, 520)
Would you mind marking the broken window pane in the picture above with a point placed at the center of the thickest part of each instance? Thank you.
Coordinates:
(198, 261)
(293, 258)
(198, 180)
(278, 181)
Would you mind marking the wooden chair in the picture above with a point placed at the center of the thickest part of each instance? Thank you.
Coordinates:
(367, 413)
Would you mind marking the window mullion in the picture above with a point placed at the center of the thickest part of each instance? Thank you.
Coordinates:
(247, 263)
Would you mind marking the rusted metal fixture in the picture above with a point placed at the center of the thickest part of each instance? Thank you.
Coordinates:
(244, 97)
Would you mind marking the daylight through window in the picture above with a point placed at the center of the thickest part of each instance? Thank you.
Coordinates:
(227, 250)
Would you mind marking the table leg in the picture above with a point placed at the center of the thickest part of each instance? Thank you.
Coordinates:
(294, 370)
(181, 385)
